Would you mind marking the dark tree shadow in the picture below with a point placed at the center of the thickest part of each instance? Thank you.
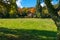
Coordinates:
(26, 34)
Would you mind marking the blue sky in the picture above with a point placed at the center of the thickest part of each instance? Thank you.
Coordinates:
(30, 3)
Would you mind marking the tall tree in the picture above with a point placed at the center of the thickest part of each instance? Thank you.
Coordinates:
(10, 5)
(13, 9)
(3, 7)
(54, 15)
(38, 9)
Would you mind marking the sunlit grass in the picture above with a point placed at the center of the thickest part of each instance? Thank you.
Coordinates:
(30, 25)
(38, 24)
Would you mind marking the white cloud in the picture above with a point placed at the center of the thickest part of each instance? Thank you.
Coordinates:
(43, 4)
(54, 2)
(18, 2)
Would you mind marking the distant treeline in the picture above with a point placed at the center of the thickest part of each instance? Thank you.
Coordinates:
(23, 13)
(12, 11)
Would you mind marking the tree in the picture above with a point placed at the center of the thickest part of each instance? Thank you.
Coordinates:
(59, 3)
(45, 13)
(7, 5)
(38, 9)
(13, 8)
(54, 15)
(10, 5)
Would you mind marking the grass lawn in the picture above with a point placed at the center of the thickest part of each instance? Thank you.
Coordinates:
(27, 29)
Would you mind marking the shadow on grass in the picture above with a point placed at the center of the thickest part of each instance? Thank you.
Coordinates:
(25, 34)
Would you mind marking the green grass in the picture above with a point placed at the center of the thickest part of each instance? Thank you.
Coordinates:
(27, 29)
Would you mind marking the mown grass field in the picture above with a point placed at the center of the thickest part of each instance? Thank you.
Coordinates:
(27, 29)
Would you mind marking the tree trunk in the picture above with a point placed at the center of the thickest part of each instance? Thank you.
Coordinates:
(54, 15)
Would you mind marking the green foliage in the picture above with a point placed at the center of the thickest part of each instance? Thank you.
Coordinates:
(38, 9)
(2, 11)
(45, 13)
(37, 5)
(11, 8)
(12, 11)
